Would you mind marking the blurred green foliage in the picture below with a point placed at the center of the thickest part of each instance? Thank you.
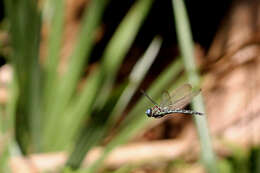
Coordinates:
(186, 46)
(46, 112)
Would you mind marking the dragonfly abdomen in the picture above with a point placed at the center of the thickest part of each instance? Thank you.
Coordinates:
(161, 113)
(183, 111)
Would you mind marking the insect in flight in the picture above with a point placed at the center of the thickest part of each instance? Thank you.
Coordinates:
(174, 103)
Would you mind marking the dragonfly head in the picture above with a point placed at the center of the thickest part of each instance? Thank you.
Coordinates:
(148, 112)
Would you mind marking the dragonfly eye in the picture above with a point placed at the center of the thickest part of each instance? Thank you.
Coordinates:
(148, 112)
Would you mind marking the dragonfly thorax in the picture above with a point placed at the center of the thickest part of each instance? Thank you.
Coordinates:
(158, 112)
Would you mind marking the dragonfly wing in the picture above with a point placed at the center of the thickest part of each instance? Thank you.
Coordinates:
(182, 102)
(181, 92)
(166, 100)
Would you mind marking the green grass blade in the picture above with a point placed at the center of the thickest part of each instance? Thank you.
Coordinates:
(70, 79)
(186, 46)
(56, 9)
(119, 45)
(25, 25)
(91, 135)
(124, 37)
(136, 76)
(79, 109)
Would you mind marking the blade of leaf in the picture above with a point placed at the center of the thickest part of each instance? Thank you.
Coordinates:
(70, 79)
(119, 45)
(25, 25)
(186, 46)
(56, 10)
(93, 133)
(79, 110)
(135, 78)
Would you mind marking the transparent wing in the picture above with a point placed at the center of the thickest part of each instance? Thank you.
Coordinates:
(183, 101)
(166, 100)
(181, 92)
(149, 98)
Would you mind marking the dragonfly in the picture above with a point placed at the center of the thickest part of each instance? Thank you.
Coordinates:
(173, 103)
